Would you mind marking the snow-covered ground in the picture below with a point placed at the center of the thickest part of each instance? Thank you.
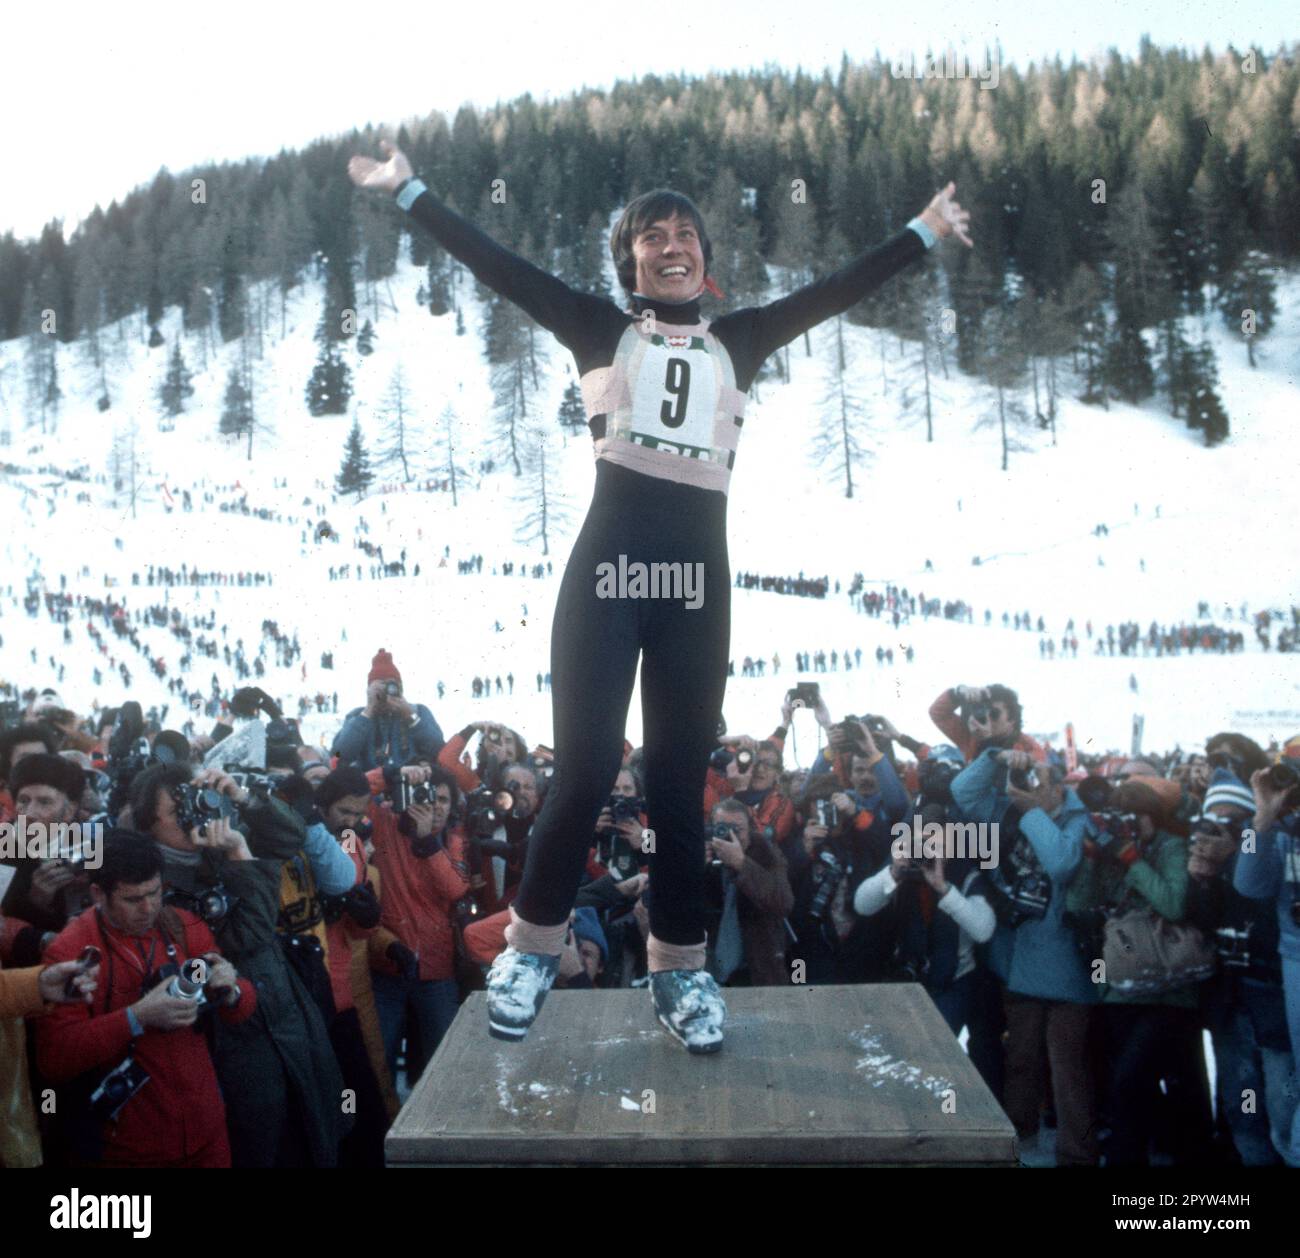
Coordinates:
(1223, 533)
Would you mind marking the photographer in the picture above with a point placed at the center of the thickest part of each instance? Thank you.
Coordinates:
(1243, 1006)
(940, 914)
(351, 920)
(498, 745)
(1131, 859)
(975, 717)
(47, 892)
(388, 730)
(502, 836)
(618, 853)
(751, 772)
(841, 846)
(749, 899)
(1269, 870)
(1047, 995)
(16, 744)
(421, 858)
(139, 1029)
(29, 992)
(278, 1073)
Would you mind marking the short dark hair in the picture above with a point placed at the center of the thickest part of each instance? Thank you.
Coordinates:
(55, 771)
(1247, 750)
(128, 857)
(734, 808)
(342, 782)
(146, 788)
(438, 776)
(31, 732)
(642, 212)
(1008, 698)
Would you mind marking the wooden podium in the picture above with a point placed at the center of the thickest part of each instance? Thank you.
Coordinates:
(856, 1075)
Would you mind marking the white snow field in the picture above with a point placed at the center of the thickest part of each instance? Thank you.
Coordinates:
(1225, 532)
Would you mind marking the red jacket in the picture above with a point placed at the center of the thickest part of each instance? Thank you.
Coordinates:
(449, 759)
(417, 892)
(943, 712)
(178, 1117)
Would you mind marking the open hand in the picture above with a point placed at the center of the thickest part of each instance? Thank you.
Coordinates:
(944, 216)
(365, 172)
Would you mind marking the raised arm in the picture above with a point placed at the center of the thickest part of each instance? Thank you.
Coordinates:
(561, 310)
(781, 321)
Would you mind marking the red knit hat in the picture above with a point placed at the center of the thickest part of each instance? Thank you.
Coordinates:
(382, 668)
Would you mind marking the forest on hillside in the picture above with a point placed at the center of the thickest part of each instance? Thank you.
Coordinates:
(1119, 205)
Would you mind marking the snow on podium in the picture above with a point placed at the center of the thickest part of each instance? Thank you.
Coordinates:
(857, 1075)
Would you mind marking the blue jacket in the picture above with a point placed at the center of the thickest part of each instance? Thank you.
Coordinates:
(368, 744)
(1272, 872)
(1037, 958)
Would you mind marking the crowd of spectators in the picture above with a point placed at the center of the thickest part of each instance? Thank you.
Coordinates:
(333, 906)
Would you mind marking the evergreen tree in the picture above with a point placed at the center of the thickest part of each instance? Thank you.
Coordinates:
(329, 390)
(1248, 300)
(1087, 316)
(1003, 360)
(355, 476)
(366, 339)
(1205, 411)
(237, 410)
(1126, 362)
(437, 287)
(176, 385)
(573, 414)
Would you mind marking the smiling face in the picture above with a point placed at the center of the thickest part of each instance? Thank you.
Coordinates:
(669, 260)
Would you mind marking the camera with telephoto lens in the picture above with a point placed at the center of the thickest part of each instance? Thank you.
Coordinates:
(485, 809)
(191, 986)
(212, 904)
(827, 874)
(115, 1089)
(723, 756)
(1233, 947)
(198, 805)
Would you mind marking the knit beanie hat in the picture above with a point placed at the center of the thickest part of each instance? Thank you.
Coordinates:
(1225, 788)
(586, 925)
(382, 668)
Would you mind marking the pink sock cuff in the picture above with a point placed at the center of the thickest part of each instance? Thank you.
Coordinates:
(524, 936)
(666, 956)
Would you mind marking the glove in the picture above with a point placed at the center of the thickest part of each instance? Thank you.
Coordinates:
(361, 904)
(405, 960)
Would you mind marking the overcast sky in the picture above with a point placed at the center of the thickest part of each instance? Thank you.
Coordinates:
(97, 97)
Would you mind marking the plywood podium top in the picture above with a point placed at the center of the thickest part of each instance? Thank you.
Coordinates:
(865, 1074)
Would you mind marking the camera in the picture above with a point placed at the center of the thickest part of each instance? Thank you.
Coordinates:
(723, 756)
(1023, 779)
(876, 724)
(827, 874)
(1284, 777)
(409, 793)
(191, 986)
(1233, 947)
(625, 807)
(197, 805)
(116, 1088)
(212, 904)
(612, 850)
(392, 689)
(1019, 887)
(936, 778)
(485, 809)
(828, 814)
(805, 694)
(1111, 827)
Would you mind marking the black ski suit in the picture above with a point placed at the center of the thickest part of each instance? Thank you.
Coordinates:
(665, 399)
